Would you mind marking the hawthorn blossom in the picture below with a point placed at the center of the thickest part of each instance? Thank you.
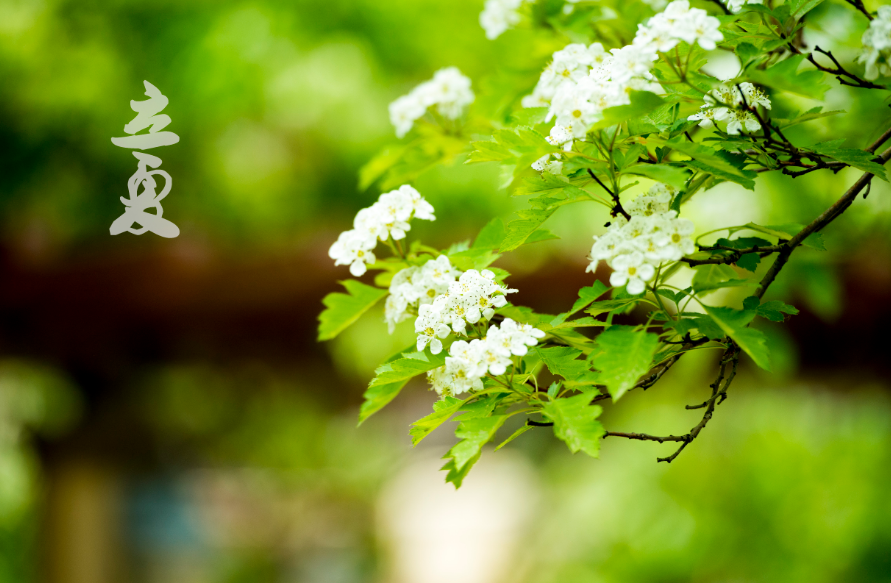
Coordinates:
(499, 15)
(416, 286)
(725, 104)
(388, 217)
(469, 362)
(448, 93)
(654, 234)
(876, 55)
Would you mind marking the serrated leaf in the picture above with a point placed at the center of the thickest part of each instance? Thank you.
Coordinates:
(799, 8)
(586, 296)
(672, 175)
(642, 103)
(377, 397)
(853, 157)
(442, 411)
(774, 310)
(714, 276)
(474, 434)
(341, 310)
(611, 306)
(625, 355)
(519, 230)
(575, 422)
(411, 365)
(815, 113)
(562, 361)
(474, 258)
(749, 261)
(491, 235)
(734, 323)
(720, 164)
(523, 429)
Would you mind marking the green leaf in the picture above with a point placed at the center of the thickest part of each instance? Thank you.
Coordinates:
(785, 77)
(811, 114)
(642, 103)
(749, 261)
(520, 146)
(672, 175)
(799, 8)
(474, 258)
(521, 230)
(411, 365)
(586, 296)
(734, 323)
(377, 397)
(379, 165)
(474, 434)
(857, 158)
(611, 306)
(341, 310)
(562, 361)
(523, 429)
(575, 422)
(442, 411)
(491, 235)
(712, 276)
(529, 116)
(625, 356)
(720, 164)
(774, 310)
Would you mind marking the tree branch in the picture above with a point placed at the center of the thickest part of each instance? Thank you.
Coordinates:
(617, 204)
(817, 224)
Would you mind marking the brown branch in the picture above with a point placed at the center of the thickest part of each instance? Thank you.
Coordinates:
(617, 204)
(858, 4)
(719, 391)
(816, 225)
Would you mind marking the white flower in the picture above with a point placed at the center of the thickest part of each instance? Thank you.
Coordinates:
(740, 120)
(631, 270)
(876, 55)
(678, 22)
(388, 217)
(498, 16)
(466, 366)
(430, 327)
(352, 248)
(416, 286)
(404, 112)
(742, 96)
(449, 92)
(634, 248)
(735, 6)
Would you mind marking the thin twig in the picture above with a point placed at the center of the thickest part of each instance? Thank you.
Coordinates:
(617, 204)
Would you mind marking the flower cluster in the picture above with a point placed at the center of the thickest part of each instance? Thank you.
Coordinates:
(417, 286)
(876, 53)
(735, 6)
(475, 295)
(716, 108)
(580, 82)
(500, 15)
(634, 248)
(449, 92)
(386, 218)
(677, 23)
(468, 362)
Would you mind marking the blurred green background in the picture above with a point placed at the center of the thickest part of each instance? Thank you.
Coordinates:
(165, 412)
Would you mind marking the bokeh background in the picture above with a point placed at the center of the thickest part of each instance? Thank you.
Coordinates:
(167, 416)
